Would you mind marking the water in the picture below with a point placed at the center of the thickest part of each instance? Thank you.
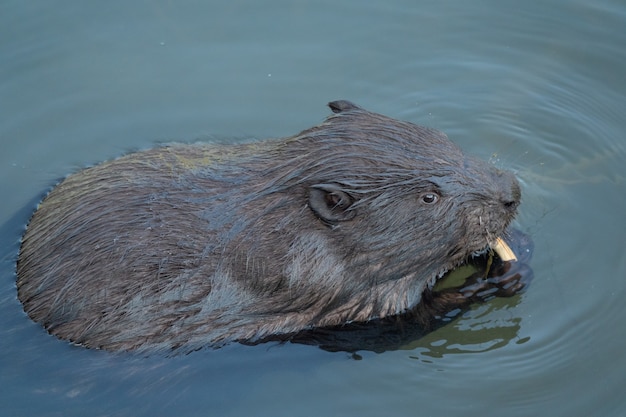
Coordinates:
(537, 87)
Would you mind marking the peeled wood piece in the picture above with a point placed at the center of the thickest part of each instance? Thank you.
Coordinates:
(503, 250)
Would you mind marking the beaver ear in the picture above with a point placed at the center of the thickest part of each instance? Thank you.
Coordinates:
(342, 105)
(330, 203)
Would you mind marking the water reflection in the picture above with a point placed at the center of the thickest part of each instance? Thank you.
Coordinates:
(485, 328)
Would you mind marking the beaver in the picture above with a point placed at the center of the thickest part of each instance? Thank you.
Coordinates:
(197, 245)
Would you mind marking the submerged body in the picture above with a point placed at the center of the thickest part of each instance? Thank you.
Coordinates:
(187, 246)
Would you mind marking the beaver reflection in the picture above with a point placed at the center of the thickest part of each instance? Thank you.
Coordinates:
(186, 246)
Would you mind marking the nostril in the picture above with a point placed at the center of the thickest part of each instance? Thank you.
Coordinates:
(511, 204)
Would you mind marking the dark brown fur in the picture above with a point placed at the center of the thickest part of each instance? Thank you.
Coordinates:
(187, 246)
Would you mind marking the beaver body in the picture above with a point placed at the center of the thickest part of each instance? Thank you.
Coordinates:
(186, 246)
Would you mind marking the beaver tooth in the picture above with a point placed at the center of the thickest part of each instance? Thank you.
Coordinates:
(503, 250)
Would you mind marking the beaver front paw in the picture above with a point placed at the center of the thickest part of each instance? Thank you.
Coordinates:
(505, 280)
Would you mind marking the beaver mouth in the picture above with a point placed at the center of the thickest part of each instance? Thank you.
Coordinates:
(497, 246)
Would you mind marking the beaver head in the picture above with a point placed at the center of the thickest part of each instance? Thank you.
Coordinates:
(197, 245)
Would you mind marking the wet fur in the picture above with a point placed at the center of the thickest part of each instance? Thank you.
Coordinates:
(187, 246)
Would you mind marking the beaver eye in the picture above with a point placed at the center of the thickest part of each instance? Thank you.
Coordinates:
(430, 198)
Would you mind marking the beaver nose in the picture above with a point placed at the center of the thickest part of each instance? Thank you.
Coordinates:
(511, 192)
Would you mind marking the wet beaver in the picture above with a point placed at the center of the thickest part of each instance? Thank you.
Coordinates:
(186, 246)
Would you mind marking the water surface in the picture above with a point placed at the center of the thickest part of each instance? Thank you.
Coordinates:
(536, 87)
